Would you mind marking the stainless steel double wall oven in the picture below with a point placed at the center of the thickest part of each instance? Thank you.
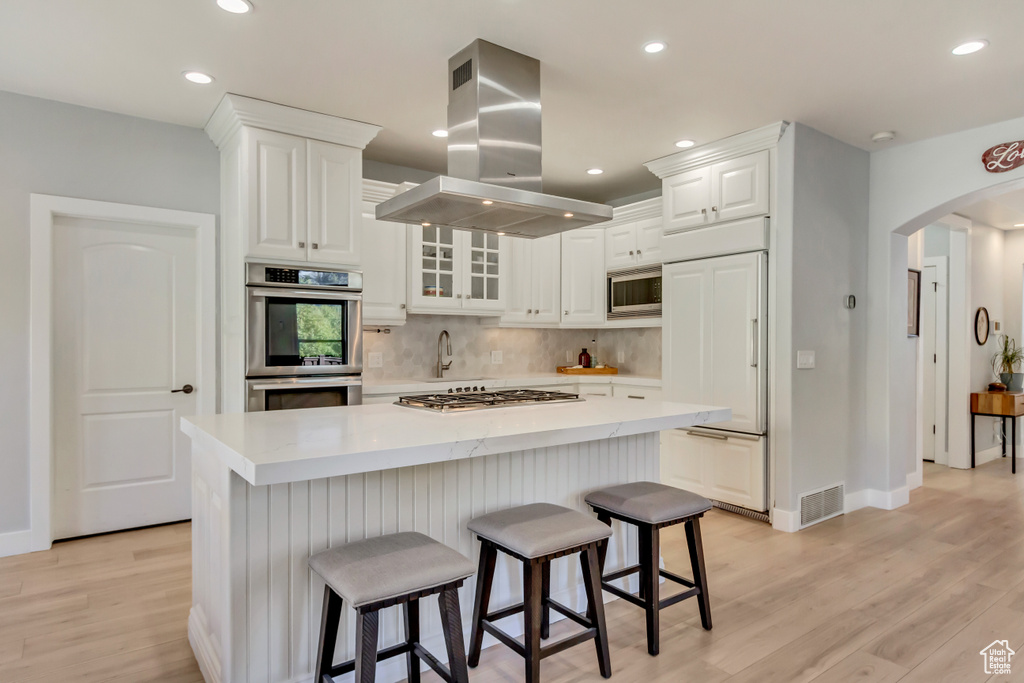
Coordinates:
(304, 344)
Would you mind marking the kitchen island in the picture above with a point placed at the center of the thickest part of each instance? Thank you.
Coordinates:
(272, 488)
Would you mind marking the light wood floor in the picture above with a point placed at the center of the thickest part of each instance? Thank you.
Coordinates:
(908, 595)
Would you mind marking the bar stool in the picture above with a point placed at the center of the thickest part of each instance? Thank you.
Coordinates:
(651, 506)
(536, 534)
(397, 569)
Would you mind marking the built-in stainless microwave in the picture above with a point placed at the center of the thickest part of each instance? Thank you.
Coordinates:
(634, 293)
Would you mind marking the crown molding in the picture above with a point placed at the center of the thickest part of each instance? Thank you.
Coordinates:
(727, 148)
(377, 191)
(630, 213)
(236, 111)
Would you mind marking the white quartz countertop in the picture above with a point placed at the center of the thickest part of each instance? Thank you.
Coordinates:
(298, 445)
(421, 386)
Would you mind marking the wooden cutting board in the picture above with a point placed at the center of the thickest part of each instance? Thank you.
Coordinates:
(568, 370)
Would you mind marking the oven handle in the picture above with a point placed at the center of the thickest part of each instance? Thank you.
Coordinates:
(303, 293)
(264, 385)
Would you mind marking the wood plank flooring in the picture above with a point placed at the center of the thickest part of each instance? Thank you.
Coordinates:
(908, 595)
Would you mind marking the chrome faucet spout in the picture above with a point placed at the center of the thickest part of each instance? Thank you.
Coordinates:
(441, 365)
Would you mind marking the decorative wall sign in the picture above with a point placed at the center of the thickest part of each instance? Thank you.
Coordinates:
(913, 302)
(1004, 157)
(981, 326)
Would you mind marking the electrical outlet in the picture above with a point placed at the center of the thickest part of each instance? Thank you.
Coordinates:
(805, 360)
(495, 357)
(376, 359)
(568, 356)
(621, 357)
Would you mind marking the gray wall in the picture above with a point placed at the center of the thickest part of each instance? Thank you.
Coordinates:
(52, 148)
(829, 216)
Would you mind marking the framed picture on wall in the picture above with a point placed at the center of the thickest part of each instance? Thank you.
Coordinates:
(913, 302)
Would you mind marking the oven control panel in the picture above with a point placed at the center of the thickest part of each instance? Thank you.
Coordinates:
(264, 274)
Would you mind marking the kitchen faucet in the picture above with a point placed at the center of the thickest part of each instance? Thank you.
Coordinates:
(441, 367)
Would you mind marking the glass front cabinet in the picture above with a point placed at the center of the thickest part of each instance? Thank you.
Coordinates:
(456, 271)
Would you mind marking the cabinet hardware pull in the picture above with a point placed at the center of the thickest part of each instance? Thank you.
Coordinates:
(715, 209)
(302, 245)
(639, 397)
(716, 437)
(187, 389)
(630, 252)
(638, 252)
(458, 296)
(567, 312)
(753, 343)
(315, 245)
(704, 212)
(529, 311)
(401, 306)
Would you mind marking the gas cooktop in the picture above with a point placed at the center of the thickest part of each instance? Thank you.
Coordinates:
(478, 400)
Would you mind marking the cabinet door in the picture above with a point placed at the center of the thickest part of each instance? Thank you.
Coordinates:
(434, 269)
(620, 246)
(520, 282)
(725, 467)
(335, 177)
(685, 199)
(486, 257)
(739, 187)
(636, 393)
(276, 182)
(648, 241)
(583, 277)
(546, 279)
(683, 462)
(384, 269)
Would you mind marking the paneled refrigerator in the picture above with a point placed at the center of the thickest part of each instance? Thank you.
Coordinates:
(714, 351)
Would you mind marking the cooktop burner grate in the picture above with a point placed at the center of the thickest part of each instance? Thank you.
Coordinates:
(478, 400)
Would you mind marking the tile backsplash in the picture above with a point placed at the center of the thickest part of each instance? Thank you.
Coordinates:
(410, 350)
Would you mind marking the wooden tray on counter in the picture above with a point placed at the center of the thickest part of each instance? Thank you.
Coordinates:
(569, 370)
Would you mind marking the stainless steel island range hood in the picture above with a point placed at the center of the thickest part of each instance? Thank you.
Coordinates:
(494, 155)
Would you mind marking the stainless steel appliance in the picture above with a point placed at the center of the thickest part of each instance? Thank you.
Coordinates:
(303, 321)
(288, 393)
(455, 401)
(494, 155)
(634, 293)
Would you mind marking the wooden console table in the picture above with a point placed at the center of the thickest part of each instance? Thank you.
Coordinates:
(1001, 404)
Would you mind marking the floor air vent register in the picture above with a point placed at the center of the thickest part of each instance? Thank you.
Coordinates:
(821, 505)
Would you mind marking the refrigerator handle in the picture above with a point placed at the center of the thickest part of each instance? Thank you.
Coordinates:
(753, 343)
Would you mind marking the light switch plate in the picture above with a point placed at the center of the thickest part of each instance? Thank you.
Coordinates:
(495, 357)
(376, 359)
(621, 357)
(805, 360)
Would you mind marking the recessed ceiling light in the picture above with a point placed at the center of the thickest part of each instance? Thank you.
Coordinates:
(568, 215)
(425, 225)
(654, 47)
(235, 6)
(883, 136)
(970, 47)
(440, 133)
(595, 171)
(685, 143)
(488, 202)
(501, 234)
(1018, 225)
(198, 77)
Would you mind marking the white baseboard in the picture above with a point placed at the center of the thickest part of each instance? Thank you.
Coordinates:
(915, 479)
(15, 543)
(874, 498)
(990, 454)
(786, 520)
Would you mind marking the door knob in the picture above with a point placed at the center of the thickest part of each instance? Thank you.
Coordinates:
(187, 389)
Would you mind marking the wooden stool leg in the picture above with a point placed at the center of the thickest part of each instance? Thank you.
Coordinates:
(484, 578)
(330, 620)
(602, 551)
(412, 636)
(532, 594)
(451, 624)
(545, 611)
(650, 583)
(595, 606)
(366, 646)
(700, 577)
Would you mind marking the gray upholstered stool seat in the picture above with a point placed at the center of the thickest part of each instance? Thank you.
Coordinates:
(649, 502)
(539, 529)
(389, 566)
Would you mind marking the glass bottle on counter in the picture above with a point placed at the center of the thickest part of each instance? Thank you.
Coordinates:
(584, 358)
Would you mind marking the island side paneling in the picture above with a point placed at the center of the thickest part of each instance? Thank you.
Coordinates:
(256, 606)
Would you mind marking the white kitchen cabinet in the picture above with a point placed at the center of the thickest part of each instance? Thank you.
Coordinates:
(725, 191)
(534, 283)
(633, 244)
(456, 271)
(648, 241)
(586, 390)
(583, 277)
(717, 465)
(303, 198)
(384, 269)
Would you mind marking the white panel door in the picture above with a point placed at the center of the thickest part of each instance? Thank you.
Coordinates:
(384, 269)
(685, 199)
(277, 198)
(519, 308)
(335, 176)
(684, 354)
(648, 241)
(124, 328)
(620, 246)
(739, 187)
(583, 277)
(546, 278)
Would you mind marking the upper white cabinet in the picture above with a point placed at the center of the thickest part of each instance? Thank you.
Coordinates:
(583, 277)
(303, 198)
(633, 244)
(456, 271)
(384, 261)
(723, 191)
(534, 291)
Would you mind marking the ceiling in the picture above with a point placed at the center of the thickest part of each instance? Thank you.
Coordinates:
(1003, 212)
(849, 69)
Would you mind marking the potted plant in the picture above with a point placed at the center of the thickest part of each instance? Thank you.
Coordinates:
(1007, 362)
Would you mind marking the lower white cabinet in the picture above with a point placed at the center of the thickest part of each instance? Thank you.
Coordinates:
(595, 390)
(637, 393)
(720, 466)
(384, 269)
(583, 277)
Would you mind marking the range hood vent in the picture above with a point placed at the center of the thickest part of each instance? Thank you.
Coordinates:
(494, 155)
